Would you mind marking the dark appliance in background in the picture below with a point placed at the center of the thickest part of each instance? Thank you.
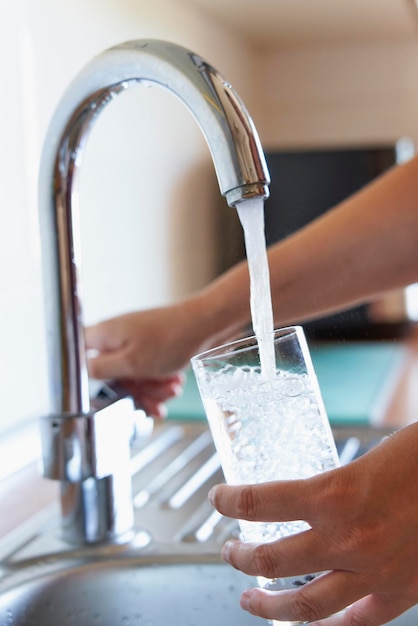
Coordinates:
(305, 184)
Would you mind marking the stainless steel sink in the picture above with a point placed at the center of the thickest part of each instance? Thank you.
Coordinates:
(143, 589)
(170, 572)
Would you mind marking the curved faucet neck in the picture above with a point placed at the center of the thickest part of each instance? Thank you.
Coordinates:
(233, 142)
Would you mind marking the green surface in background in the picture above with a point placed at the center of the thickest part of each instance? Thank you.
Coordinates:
(355, 380)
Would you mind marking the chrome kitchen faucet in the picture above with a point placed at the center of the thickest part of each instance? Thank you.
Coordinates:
(86, 444)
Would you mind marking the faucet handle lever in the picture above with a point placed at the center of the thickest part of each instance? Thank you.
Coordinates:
(105, 392)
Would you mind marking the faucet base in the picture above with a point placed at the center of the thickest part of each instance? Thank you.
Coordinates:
(97, 510)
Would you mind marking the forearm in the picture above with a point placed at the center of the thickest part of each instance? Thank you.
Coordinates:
(363, 247)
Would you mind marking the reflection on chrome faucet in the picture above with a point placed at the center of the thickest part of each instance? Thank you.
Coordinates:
(86, 446)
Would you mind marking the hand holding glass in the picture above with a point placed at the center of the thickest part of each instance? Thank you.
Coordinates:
(268, 423)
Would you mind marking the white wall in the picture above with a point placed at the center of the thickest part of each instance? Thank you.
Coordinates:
(343, 94)
(146, 238)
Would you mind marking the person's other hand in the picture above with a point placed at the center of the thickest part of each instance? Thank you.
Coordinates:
(144, 345)
(145, 351)
(364, 535)
(152, 394)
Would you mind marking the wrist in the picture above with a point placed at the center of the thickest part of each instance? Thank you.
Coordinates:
(220, 318)
(203, 321)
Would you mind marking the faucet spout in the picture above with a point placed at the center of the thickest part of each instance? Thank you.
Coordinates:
(242, 173)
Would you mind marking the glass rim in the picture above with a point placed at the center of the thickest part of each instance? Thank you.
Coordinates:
(250, 341)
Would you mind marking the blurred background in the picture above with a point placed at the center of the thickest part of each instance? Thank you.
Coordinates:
(321, 76)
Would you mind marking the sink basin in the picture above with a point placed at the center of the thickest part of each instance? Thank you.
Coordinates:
(143, 590)
(132, 590)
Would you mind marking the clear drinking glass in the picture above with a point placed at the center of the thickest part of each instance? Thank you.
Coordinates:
(267, 423)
